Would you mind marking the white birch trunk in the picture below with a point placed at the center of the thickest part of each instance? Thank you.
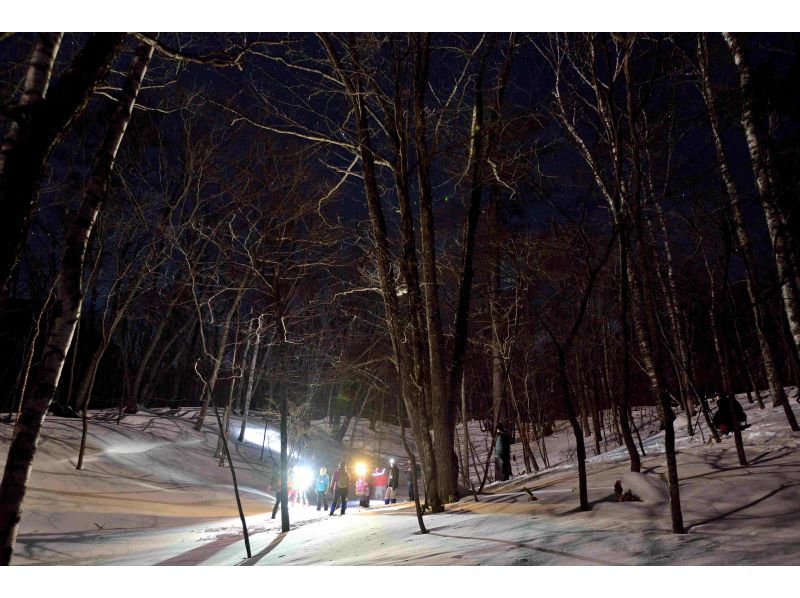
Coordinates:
(777, 222)
(34, 90)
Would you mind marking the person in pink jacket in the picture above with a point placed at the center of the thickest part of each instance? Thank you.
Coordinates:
(362, 489)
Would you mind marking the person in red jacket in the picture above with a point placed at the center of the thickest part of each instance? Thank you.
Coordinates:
(379, 480)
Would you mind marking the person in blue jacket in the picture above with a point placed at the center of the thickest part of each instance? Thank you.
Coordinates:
(322, 486)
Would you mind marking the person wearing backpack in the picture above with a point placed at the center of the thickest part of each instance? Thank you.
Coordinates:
(339, 484)
(727, 409)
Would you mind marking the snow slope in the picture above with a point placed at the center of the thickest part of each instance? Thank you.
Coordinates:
(151, 492)
(147, 486)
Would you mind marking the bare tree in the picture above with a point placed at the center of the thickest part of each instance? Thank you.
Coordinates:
(766, 347)
(777, 223)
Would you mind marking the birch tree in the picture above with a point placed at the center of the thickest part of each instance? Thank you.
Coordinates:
(777, 223)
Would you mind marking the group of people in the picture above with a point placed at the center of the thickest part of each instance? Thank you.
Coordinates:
(300, 488)
(384, 483)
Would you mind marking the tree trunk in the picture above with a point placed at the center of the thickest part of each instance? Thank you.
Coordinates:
(723, 362)
(667, 416)
(583, 406)
(580, 447)
(239, 507)
(250, 382)
(238, 404)
(28, 360)
(624, 405)
(329, 412)
(284, 497)
(752, 387)
(87, 385)
(461, 324)
(148, 354)
(465, 422)
(441, 405)
(442, 452)
(527, 451)
(223, 343)
(669, 290)
(596, 417)
(412, 463)
(359, 416)
(226, 418)
(150, 382)
(341, 431)
(34, 89)
(645, 322)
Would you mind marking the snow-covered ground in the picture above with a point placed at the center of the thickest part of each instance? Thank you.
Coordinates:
(151, 492)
